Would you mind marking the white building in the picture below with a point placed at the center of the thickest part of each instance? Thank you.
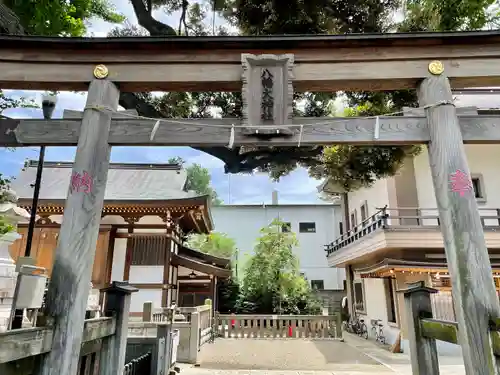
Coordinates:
(385, 249)
(314, 224)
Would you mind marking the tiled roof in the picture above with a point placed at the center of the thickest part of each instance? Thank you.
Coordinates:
(125, 181)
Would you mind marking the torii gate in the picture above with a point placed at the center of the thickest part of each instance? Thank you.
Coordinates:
(276, 66)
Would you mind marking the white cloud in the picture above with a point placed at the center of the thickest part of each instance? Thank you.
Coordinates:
(206, 161)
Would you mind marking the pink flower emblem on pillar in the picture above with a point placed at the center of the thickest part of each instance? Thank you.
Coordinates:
(460, 183)
(82, 182)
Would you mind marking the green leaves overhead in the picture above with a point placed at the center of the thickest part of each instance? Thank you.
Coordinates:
(198, 179)
(214, 243)
(61, 18)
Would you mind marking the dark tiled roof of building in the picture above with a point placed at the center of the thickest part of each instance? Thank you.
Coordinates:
(125, 181)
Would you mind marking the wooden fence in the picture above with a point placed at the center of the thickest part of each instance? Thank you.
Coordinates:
(279, 326)
(442, 306)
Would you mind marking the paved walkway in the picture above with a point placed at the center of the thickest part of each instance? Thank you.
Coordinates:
(400, 363)
(306, 357)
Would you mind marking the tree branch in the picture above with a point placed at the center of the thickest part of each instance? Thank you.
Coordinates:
(9, 22)
(262, 158)
(146, 20)
(182, 19)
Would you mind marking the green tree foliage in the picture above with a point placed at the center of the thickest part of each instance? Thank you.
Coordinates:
(61, 18)
(198, 179)
(228, 295)
(272, 281)
(214, 243)
(220, 245)
(5, 196)
(7, 102)
(438, 15)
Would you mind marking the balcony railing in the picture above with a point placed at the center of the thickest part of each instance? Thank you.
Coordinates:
(404, 217)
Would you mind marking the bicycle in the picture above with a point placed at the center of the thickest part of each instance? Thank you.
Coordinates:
(361, 329)
(356, 326)
(378, 331)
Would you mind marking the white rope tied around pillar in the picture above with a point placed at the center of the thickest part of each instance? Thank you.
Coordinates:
(300, 135)
(441, 102)
(232, 127)
(231, 138)
(155, 128)
(376, 132)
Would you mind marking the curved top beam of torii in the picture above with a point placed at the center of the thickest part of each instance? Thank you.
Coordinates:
(322, 62)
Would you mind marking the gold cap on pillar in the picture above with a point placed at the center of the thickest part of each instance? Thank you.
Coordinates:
(436, 67)
(101, 71)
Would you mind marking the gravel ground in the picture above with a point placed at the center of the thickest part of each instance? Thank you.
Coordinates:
(307, 355)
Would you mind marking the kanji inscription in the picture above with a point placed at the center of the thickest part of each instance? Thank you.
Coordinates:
(460, 182)
(267, 103)
(81, 182)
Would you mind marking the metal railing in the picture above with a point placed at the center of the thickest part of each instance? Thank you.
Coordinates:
(404, 217)
(139, 366)
(374, 222)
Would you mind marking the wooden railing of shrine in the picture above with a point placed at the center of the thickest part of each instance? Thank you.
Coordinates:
(19, 344)
(279, 326)
(103, 344)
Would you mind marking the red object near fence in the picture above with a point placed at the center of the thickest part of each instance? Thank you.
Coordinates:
(290, 331)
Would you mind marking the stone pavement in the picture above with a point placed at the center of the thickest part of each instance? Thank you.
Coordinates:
(399, 363)
(355, 356)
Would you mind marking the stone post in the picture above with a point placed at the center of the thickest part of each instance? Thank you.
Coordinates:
(8, 275)
(8, 278)
(423, 350)
(118, 297)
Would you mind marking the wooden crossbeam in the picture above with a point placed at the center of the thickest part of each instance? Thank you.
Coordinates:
(323, 63)
(131, 132)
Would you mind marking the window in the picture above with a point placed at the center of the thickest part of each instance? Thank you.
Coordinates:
(307, 227)
(391, 302)
(148, 250)
(286, 227)
(354, 219)
(341, 228)
(359, 298)
(317, 284)
(364, 211)
(478, 185)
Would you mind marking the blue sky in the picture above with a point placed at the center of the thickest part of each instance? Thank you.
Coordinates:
(243, 189)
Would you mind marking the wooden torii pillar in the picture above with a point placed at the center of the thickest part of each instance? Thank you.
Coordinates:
(474, 294)
(74, 256)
